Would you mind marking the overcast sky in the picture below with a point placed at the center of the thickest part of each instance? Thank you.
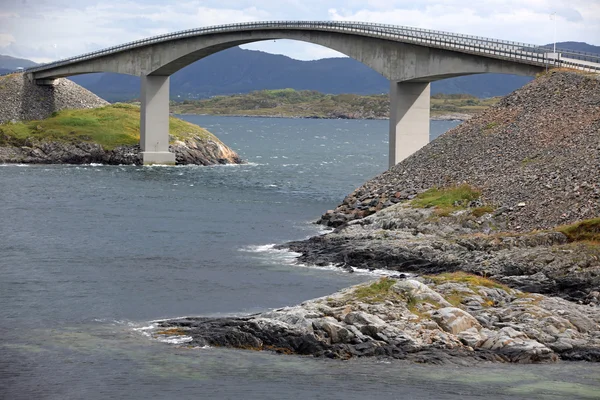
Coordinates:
(44, 30)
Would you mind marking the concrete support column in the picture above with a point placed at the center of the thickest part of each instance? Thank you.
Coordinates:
(154, 121)
(409, 119)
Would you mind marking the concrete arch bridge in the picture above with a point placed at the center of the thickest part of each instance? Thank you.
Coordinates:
(410, 58)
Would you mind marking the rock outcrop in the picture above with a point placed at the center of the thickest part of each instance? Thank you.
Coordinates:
(23, 100)
(195, 151)
(537, 151)
(455, 319)
(406, 239)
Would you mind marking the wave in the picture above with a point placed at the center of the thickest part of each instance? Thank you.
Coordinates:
(290, 257)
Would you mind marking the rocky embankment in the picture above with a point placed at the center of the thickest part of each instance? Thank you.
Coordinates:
(22, 100)
(536, 152)
(512, 195)
(456, 318)
(535, 161)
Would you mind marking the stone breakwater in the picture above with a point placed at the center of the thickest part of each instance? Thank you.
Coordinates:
(195, 151)
(461, 320)
(537, 151)
(23, 100)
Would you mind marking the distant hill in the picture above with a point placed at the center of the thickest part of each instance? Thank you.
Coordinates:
(577, 46)
(237, 70)
(8, 63)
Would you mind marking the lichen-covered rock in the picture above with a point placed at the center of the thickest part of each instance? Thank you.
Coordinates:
(454, 320)
(387, 319)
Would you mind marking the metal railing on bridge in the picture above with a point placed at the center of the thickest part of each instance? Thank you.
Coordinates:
(494, 48)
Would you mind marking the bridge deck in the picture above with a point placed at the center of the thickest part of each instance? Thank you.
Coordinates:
(486, 47)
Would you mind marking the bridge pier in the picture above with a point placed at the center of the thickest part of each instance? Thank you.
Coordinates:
(409, 119)
(154, 121)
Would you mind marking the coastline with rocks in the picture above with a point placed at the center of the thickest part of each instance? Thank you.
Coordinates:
(456, 318)
(492, 230)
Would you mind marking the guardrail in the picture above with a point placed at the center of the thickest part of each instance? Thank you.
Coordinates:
(494, 48)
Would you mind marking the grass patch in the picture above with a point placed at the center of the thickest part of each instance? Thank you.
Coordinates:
(583, 231)
(377, 291)
(479, 211)
(468, 279)
(446, 200)
(110, 126)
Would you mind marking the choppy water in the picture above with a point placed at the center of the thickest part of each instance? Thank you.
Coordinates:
(90, 255)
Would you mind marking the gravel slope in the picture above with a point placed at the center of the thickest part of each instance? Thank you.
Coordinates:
(537, 152)
(23, 100)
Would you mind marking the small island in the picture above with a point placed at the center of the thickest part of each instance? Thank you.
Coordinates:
(290, 103)
(66, 124)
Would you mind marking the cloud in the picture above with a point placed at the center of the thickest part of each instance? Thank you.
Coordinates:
(6, 39)
(30, 28)
(295, 49)
(518, 20)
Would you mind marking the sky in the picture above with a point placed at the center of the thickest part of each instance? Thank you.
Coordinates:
(46, 30)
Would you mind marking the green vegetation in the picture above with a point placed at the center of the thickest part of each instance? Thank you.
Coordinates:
(583, 231)
(310, 103)
(446, 200)
(479, 211)
(491, 125)
(375, 292)
(459, 103)
(469, 279)
(110, 126)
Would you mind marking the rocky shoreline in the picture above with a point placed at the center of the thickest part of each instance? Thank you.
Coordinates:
(194, 151)
(438, 320)
(407, 239)
(458, 297)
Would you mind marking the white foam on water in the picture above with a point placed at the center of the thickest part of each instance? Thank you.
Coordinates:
(357, 271)
(179, 339)
(290, 257)
(14, 165)
(282, 255)
(145, 330)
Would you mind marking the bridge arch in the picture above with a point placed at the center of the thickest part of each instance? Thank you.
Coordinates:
(397, 61)
(410, 58)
